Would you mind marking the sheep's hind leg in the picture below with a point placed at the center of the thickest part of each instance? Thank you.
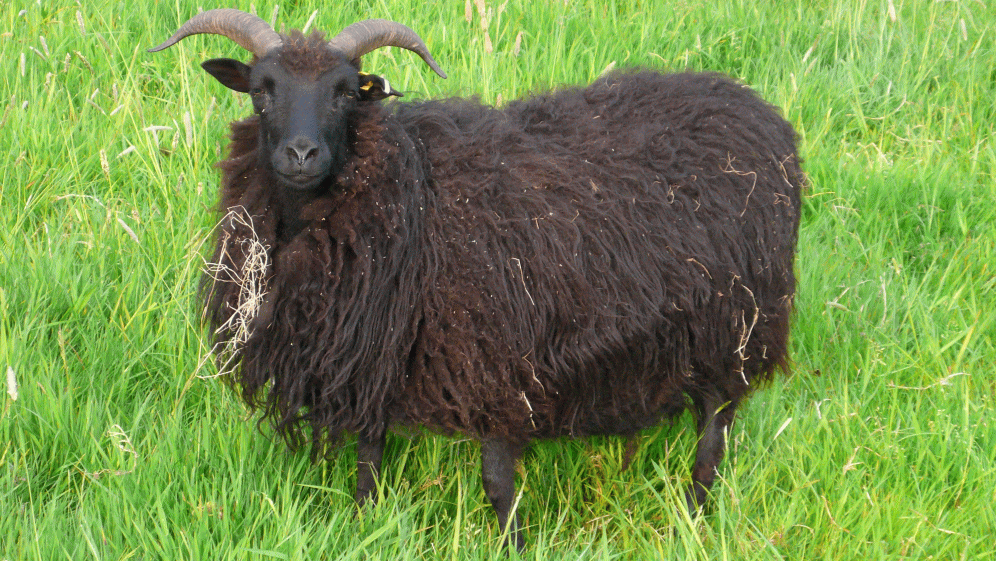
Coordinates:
(715, 417)
(369, 453)
(498, 474)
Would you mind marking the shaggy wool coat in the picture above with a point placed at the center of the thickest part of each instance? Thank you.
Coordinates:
(579, 262)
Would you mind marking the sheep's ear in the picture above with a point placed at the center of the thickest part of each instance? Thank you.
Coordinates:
(373, 88)
(232, 74)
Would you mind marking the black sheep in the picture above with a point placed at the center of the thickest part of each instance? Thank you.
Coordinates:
(586, 262)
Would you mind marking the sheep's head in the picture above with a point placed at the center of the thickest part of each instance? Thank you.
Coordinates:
(304, 107)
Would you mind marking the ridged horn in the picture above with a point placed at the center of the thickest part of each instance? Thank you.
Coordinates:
(365, 36)
(249, 31)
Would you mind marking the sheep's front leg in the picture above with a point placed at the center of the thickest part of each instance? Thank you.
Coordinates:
(369, 453)
(715, 418)
(498, 474)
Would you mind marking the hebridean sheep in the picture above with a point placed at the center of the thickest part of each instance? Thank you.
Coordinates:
(591, 261)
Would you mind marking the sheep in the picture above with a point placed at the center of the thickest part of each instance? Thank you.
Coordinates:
(591, 261)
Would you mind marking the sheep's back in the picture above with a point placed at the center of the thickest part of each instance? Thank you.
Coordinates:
(598, 253)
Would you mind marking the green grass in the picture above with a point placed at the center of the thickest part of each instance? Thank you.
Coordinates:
(881, 445)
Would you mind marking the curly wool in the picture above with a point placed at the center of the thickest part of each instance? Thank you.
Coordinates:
(580, 262)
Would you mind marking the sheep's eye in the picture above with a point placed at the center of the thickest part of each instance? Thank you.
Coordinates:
(255, 91)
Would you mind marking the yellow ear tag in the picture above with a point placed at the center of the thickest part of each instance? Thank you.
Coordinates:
(369, 83)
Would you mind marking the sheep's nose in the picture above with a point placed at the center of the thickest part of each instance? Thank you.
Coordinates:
(301, 149)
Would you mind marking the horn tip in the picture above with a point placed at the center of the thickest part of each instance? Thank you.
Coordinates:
(176, 37)
(435, 68)
(166, 44)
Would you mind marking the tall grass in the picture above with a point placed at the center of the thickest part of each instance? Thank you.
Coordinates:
(117, 443)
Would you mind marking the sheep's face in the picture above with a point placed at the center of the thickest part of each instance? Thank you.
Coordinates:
(304, 112)
(304, 89)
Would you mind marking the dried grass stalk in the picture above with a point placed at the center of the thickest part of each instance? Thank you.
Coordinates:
(251, 279)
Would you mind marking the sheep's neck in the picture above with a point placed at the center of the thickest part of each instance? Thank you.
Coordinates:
(291, 203)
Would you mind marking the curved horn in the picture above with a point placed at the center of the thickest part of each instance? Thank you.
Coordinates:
(249, 31)
(364, 36)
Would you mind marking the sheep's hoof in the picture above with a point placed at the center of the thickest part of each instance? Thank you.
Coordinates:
(695, 499)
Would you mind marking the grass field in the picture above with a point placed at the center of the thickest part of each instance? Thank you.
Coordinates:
(116, 442)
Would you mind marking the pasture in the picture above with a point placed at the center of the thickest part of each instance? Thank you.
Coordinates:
(119, 441)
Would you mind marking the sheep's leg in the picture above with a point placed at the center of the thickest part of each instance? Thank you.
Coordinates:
(715, 417)
(498, 474)
(369, 453)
